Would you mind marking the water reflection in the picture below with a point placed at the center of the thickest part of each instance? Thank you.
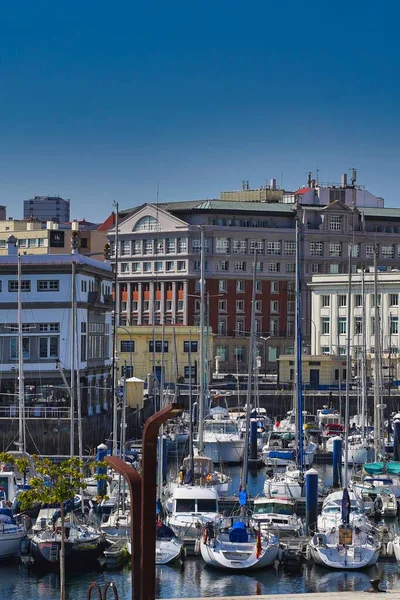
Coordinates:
(195, 580)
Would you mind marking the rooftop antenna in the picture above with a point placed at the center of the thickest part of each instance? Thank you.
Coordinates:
(353, 177)
(317, 180)
(309, 178)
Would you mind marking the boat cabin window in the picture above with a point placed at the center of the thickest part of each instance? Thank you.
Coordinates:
(206, 505)
(277, 509)
(185, 505)
(218, 427)
(309, 419)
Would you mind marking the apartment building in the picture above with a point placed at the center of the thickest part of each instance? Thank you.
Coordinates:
(329, 315)
(47, 208)
(47, 327)
(35, 237)
(159, 262)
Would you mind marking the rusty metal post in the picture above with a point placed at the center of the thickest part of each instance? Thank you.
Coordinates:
(149, 489)
(135, 488)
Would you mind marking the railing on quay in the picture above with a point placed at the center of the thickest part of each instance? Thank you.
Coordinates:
(36, 412)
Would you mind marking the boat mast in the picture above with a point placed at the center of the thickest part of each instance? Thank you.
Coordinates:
(243, 483)
(363, 357)
(298, 350)
(73, 328)
(348, 373)
(21, 378)
(114, 339)
(201, 348)
(191, 459)
(377, 363)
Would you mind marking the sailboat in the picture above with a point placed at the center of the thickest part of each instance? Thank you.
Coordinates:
(347, 541)
(240, 547)
(347, 545)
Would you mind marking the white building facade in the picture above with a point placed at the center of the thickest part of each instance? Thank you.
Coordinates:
(47, 327)
(329, 326)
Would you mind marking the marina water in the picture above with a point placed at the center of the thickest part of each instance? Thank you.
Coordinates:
(194, 579)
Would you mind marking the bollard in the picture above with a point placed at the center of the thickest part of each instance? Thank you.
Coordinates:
(311, 500)
(253, 440)
(337, 462)
(101, 483)
(396, 440)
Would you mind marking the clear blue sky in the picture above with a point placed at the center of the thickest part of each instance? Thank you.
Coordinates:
(99, 101)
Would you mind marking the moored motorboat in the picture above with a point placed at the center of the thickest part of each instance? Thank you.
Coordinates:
(222, 440)
(278, 515)
(83, 545)
(190, 508)
(11, 534)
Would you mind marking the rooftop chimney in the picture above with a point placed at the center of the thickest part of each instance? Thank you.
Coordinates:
(12, 245)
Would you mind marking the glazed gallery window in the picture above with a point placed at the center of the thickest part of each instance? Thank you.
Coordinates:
(48, 347)
(14, 348)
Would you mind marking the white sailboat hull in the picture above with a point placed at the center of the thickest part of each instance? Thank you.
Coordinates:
(167, 551)
(238, 556)
(344, 557)
(10, 543)
(356, 456)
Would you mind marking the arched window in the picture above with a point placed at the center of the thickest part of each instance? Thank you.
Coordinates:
(147, 224)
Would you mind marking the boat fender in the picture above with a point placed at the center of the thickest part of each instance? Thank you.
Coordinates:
(280, 554)
(389, 549)
(383, 550)
(308, 553)
(333, 529)
(197, 546)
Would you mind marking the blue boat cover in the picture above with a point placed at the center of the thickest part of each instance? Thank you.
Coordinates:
(282, 454)
(238, 533)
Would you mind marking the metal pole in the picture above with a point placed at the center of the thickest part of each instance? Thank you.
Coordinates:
(348, 376)
(249, 376)
(299, 350)
(115, 339)
(363, 357)
(201, 349)
(73, 334)
(21, 379)
(191, 459)
(377, 414)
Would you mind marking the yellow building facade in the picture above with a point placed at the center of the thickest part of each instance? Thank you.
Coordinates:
(320, 372)
(181, 347)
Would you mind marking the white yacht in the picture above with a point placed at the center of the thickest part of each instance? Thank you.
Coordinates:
(368, 492)
(222, 440)
(278, 515)
(357, 453)
(204, 475)
(331, 513)
(280, 449)
(190, 508)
